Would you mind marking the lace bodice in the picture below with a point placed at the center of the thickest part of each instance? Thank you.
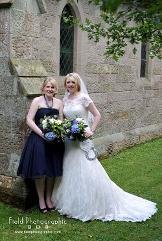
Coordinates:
(77, 107)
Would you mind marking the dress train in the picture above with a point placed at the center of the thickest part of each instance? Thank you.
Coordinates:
(86, 192)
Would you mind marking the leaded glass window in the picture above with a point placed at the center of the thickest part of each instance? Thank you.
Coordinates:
(143, 59)
(66, 43)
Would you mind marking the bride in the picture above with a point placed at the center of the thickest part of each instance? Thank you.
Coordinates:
(85, 191)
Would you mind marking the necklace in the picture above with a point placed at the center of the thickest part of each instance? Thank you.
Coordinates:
(47, 102)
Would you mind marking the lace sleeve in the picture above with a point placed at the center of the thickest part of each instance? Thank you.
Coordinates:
(86, 100)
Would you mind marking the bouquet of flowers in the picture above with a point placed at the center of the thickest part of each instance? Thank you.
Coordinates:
(74, 129)
(53, 128)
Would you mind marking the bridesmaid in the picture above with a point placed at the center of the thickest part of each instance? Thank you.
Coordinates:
(40, 160)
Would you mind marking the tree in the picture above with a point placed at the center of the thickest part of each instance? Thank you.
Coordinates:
(123, 21)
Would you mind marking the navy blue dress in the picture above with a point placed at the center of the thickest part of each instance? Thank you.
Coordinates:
(39, 157)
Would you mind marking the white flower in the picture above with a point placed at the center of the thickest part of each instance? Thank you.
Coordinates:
(44, 126)
(79, 119)
(44, 122)
(58, 122)
(51, 120)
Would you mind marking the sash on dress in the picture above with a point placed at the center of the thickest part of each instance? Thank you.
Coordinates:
(88, 147)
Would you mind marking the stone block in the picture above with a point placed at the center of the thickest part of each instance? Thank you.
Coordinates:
(157, 70)
(6, 86)
(28, 67)
(118, 115)
(42, 6)
(19, 23)
(148, 132)
(21, 46)
(125, 77)
(27, 6)
(99, 84)
(4, 21)
(14, 106)
(3, 163)
(103, 143)
(124, 86)
(4, 45)
(149, 93)
(95, 52)
(99, 98)
(13, 164)
(24, 24)
(121, 140)
(50, 66)
(5, 3)
(98, 69)
(156, 93)
(17, 192)
(4, 68)
(122, 71)
(47, 22)
(45, 47)
(60, 81)
(35, 49)
(124, 95)
(125, 69)
(31, 86)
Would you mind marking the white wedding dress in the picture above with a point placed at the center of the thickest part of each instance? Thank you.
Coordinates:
(85, 191)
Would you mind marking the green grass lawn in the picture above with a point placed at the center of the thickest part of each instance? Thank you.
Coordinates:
(137, 170)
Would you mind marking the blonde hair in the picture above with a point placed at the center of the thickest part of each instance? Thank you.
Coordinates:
(53, 83)
(75, 77)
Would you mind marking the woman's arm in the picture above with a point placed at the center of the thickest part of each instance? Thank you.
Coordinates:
(96, 114)
(61, 110)
(31, 115)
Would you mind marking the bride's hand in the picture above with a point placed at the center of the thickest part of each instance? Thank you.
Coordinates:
(88, 133)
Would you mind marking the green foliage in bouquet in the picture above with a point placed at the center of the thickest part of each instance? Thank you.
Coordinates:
(74, 129)
(52, 128)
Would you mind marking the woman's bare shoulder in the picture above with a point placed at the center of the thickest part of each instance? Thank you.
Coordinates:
(37, 100)
(58, 101)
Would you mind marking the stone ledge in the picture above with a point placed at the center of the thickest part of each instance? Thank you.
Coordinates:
(28, 68)
(5, 3)
(31, 86)
(31, 75)
(109, 144)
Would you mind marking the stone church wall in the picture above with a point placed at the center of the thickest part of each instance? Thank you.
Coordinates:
(30, 33)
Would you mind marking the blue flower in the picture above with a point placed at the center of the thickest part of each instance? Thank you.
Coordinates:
(75, 128)
(50, 136)
(74, 122)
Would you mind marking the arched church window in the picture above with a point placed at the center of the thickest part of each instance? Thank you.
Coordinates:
(66, 42)
(143, 60)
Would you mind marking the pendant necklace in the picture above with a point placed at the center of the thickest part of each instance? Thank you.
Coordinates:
(47, 103)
